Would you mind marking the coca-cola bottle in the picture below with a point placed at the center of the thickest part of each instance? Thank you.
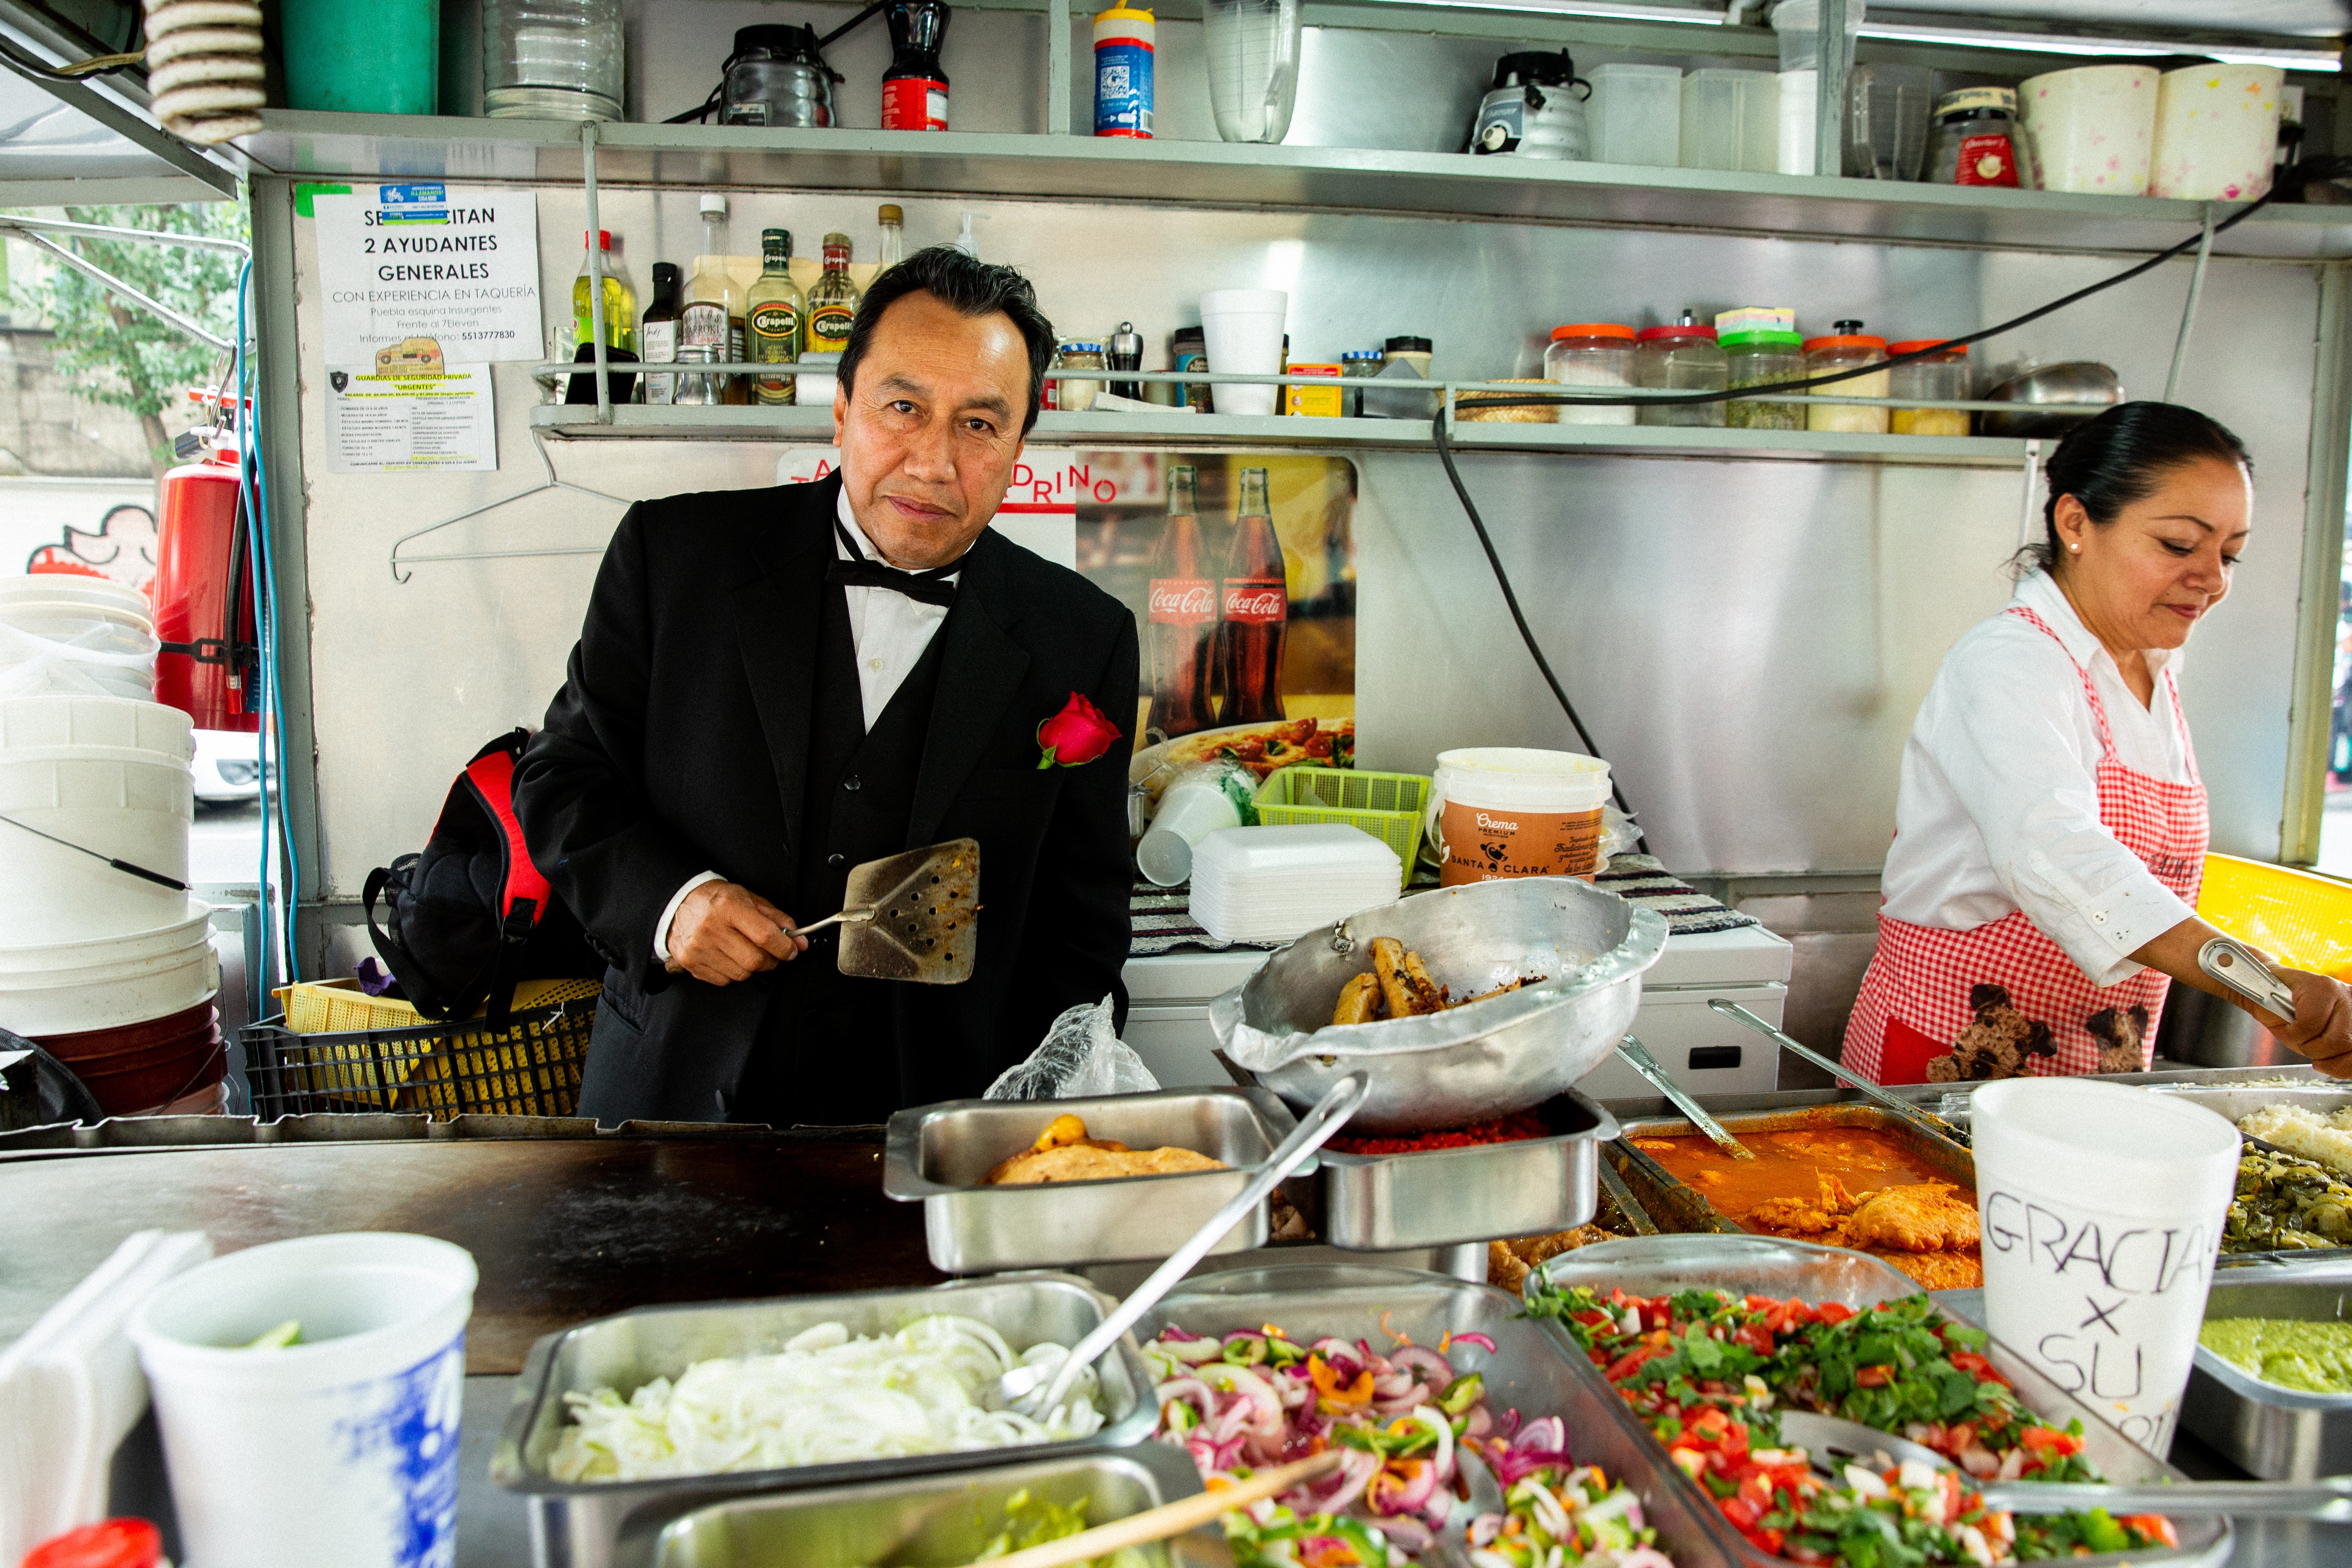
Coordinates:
(1183, 617)
(1254, 610)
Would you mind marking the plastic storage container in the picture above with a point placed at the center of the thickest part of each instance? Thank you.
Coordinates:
(1943, 377)
(1888, 108)
(2216, 132)
(1635, 114)
(1730, 120)
(1386, 806)
(1252, 47)
(1844, 349)
(551, 60)
(777, 77)
(1591, 354)
(1497, 812)
(1684, 357)
(1760, 358)
(1797, 24)
(380, 56)
(2093, 128)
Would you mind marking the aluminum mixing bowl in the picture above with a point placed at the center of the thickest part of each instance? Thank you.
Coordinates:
(2075, 381)
(1470, 1063)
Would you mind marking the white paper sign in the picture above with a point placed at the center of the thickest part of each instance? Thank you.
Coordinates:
(453, 267)
(411, 422)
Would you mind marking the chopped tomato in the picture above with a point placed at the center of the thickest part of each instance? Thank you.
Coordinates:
(2155, 1526)
(1878, 1376)
(1832, 1313)
(1741, 1512)
(1623, 1365)
(2059, 1444)
(1970, 1362)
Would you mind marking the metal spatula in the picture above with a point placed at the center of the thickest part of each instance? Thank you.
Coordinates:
(909, 917)
(912, 916)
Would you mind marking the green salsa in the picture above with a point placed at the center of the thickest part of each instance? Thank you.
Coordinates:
(2311, 1357)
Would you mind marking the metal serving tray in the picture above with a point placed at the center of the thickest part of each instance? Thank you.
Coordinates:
(1678, 1206)
(578, 1525)
(1385, 1203)
(2234, 1102)
(928, 1522)
(937, 1155)
(1661, 1264)
(1528, 1371)
(2279, 1434)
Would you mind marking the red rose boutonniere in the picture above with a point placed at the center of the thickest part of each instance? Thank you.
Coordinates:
(1077, 735)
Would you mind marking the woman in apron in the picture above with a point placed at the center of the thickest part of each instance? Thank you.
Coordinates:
(2050, 836)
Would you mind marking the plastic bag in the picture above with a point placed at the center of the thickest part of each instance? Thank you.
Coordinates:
(1082, 1056)
(1619, 833)
(33, 665)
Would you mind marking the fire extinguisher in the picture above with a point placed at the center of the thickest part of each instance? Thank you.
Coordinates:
(209, 664)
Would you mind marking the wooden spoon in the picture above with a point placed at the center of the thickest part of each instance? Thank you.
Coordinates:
(1169, 1519)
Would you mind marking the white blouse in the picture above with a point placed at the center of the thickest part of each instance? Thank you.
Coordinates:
(1999, 808)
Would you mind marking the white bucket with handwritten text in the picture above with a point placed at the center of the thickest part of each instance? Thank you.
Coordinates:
(1496, 811)
(2102, 1208)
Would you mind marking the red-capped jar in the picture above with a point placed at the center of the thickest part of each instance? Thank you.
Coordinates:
(1941, 376)
(109, 1543)
(1591, 354)
(1681, 357)
(1846, 347)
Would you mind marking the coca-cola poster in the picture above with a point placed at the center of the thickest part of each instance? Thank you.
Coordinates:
(1240, 570)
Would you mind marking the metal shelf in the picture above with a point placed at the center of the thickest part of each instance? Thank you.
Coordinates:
(813, 426)
(1216, 174)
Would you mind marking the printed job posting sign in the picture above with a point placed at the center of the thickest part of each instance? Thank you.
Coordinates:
(454, 264)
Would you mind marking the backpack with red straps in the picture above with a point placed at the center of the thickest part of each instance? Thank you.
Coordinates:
(471, 915)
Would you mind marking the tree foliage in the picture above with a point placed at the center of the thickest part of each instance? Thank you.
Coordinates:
(115, 352)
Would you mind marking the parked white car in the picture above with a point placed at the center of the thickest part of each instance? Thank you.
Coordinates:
(228, 766)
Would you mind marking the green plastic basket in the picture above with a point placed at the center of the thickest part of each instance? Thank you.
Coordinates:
(1386, 806)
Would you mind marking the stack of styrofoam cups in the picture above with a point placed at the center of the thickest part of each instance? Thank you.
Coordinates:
(67, 632)
(355, 1428)
(1242, 331)
(112, 973)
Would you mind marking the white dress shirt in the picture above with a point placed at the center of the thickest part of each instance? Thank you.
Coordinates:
(889, 632)
(1999, 808)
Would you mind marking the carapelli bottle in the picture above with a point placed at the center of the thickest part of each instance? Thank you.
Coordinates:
(915, 87)
(1183, 615)
(1254, 611)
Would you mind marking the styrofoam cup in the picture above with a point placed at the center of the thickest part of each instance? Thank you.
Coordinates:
(1190, 809)
(1242, 334)
(2102, 1208)
(341, 1449)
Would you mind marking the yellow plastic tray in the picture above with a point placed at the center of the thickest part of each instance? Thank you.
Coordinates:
(512, 1067)
(2301, 918)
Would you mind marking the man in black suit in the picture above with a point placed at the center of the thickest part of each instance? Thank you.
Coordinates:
(772, 686)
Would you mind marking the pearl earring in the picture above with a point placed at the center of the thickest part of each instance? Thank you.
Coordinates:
(2075, 547)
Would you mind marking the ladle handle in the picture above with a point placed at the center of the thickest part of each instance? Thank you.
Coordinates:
(1638, 1056)
(1330, 1113)
(1845, 1075)
(2327, 1499)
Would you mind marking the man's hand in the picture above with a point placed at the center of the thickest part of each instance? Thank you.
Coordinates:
(2322, 1029)
(724, 932)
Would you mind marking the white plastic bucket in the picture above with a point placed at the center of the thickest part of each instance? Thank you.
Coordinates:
(71, 987)
(134, 806)
(341, 1449)
(27, 722)
(2093, 128)
(78, 588)
(2216, 132)
(2101, 1207)
(1497, 812)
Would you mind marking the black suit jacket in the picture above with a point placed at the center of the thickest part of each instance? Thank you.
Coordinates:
(679, 743)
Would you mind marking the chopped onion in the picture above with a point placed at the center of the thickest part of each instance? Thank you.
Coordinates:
(827, 1398)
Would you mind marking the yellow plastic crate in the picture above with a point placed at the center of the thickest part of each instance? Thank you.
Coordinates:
(1386, 806)
(2302, 918)
(358, 1052)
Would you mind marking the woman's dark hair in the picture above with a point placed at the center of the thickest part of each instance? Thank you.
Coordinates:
(965, 284)
(2120, 457)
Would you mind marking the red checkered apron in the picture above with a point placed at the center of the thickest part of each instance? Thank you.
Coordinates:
(1915, 999)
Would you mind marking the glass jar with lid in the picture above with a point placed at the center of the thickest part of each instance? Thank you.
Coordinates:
(1591, 354)
(1683, 357)
(1976, 140)
(1941, 377)
(1358, 364)
(551, 60)
(777, 77)
(1760, 358)
(1846, 347)
(1076, 353)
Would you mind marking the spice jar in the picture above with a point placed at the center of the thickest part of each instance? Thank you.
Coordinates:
(1357, 364)
(1761, 358)
(703, 386)
(1941, 377)
(1414, 352)
(1684, 357)
(1188, 351)
(1591, 354)
(1845, 348)
(1075, 397)
(1977, 138)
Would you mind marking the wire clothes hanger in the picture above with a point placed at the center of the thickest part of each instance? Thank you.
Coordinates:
(538, 444)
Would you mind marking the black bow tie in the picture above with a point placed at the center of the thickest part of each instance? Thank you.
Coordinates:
(931, 587)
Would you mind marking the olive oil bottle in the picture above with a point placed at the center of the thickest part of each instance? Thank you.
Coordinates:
(833, 303)
(771, 314)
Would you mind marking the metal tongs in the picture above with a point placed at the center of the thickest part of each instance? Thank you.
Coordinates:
(2242, 969)
(1831, 1443)
(1923, 1119)
(1034, 1391)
